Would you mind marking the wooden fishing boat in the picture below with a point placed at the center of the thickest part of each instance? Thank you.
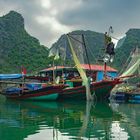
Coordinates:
(75, 87)
(46, 93)
(103, 77)
(17, 88)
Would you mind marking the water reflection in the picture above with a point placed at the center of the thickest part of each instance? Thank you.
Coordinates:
(68, 120)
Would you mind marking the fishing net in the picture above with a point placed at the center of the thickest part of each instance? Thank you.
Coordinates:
(134, 64)
(77, 53)
(58, 51)
(77, 49)
(132, 68)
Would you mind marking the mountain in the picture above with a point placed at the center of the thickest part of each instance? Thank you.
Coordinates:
(18, 48)
(128, 44)
(94, 43)
(95, 46)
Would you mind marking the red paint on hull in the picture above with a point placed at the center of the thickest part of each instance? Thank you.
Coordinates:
(105, 88)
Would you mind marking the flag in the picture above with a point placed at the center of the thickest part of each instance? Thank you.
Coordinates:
(57, 55)
(50, 53)
(23, 70)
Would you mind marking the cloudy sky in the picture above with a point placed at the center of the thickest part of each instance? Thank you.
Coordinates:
(47, 20)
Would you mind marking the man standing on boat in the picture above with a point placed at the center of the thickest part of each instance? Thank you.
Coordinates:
(109, 45)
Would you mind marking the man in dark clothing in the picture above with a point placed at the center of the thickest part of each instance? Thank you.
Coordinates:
(107, 39)
(109, 47)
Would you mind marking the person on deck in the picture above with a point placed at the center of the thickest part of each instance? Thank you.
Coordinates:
(107, 39)
(109, 45)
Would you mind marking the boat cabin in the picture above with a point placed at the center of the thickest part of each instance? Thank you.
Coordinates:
(72, 77)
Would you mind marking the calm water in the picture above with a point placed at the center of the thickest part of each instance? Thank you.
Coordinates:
(69, 120)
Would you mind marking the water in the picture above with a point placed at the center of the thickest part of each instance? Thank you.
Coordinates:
(68, 120)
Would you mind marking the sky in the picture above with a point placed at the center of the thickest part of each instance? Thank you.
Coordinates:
(47, 20)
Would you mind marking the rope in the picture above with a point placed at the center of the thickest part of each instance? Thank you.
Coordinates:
(125, 65)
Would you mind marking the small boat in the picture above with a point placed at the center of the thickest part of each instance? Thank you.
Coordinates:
(22, 90)
(46, 93)
(133, 96)
(121, 96)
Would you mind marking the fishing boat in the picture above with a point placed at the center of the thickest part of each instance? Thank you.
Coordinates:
(30, 91)
(75, 87)
(84, 88)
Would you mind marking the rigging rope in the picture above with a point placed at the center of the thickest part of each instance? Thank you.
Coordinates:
(134, 64)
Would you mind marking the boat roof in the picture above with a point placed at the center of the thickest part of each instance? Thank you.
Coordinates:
(97, 67)
(10, 76)
(92, 67)
(56, 68)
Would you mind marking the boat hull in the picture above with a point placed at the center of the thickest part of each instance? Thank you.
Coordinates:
(47, 93)
(101, 90)
(53, 96)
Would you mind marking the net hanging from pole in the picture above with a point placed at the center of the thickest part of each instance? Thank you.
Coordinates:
(78, 53)
(134, 64)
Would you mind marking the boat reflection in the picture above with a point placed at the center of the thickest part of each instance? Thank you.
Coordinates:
(61, 120)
